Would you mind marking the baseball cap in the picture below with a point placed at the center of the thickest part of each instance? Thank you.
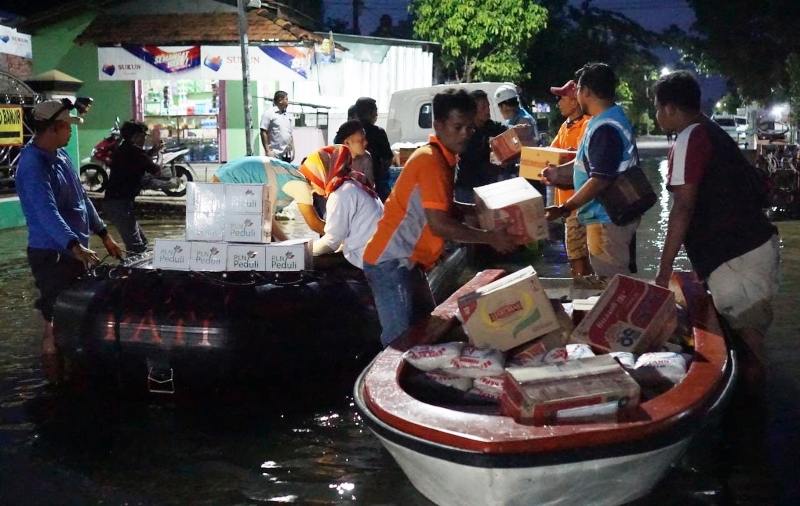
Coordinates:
(55, 110)
(570, 89)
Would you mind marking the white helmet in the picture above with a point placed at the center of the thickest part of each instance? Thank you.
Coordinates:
(505, 92)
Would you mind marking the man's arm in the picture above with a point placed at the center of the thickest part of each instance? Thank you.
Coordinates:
(337, 224)
(446, 227)
(312, 218)
(589, 191)
(35, 190)
(684, 200)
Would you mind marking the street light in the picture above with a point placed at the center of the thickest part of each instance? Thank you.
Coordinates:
(665, 71)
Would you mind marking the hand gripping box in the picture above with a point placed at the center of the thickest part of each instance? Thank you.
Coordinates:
(205, 197)
(248, 228)
(533, 160)
(515, 205)
(506, 145)
(291, 255)
(508, 312)
(247, 257)
(171, 254)
(630, 315)
(247, 199)
(584, 389)
(208, 256)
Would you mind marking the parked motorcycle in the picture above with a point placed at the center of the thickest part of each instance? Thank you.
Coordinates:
(174, 167)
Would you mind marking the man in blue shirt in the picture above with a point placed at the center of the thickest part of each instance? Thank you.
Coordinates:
(607, 149)
(58, 213)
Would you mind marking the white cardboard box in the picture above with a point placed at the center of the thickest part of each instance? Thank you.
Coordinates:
(246, 198)
(208, 256)
(291, 255)
(205, 226)
(247, 257)
(508, 312)
(205, 197)
(515, 205)
(248, 228)
(171, 254)
(630, 315)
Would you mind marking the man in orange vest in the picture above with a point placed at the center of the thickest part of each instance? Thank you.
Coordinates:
(568, 137)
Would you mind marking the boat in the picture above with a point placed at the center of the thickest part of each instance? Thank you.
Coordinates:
(167, 329)
(461, 455)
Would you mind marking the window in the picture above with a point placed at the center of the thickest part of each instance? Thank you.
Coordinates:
(425, 116)
(725, 122)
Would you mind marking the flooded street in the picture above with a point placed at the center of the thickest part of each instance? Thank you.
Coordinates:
(307, 445)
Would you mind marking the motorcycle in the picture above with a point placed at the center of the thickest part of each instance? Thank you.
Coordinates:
(176, 171)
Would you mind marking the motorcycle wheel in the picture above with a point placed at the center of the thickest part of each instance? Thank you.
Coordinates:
(93, 178)
(185, 177)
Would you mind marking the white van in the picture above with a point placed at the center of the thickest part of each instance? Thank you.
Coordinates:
(735, 125)
(411, 111)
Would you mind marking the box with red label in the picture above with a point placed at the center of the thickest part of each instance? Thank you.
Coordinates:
(586, 389)
(515, 205)
(533, 160)
(630, 315)
(506, 145)
(508, 312)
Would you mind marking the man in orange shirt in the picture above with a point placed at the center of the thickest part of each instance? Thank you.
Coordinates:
(568, 137)
(419, 216)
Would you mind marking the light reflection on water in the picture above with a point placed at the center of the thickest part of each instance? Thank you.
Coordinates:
(104, 450)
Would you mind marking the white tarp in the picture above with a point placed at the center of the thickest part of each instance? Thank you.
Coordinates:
(15, 43)
(273, 63)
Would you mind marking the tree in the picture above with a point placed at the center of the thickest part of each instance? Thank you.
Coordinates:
(480, 39)
(748, 42)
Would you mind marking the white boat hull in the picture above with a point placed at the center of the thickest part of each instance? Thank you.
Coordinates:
(601, 482)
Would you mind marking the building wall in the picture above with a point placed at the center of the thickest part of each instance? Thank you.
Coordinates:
(17, 66)
(53, 48)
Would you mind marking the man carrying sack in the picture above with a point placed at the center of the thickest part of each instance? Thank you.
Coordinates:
(607, 160)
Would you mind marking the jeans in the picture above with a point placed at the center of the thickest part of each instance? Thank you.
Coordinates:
(122, 214)
(402, 296)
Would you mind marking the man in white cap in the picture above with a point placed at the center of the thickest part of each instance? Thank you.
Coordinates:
(58, 213)
(507, 99)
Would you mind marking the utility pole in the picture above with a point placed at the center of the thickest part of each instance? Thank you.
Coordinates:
(244, 42)
(356, 13)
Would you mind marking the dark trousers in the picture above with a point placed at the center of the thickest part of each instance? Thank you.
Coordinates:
(122, 214)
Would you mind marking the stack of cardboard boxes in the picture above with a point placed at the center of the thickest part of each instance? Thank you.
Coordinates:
(228, 228)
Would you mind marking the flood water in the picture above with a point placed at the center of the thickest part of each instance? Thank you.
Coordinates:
(306, 444)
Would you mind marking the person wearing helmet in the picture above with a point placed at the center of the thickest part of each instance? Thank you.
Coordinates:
(507, 99)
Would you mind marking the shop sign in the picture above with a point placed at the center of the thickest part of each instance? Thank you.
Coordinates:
(11, 125)
(267, 63)
(15, 43)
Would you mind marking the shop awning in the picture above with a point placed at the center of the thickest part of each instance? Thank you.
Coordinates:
(264, 27)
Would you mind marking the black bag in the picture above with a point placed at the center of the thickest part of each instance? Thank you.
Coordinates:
(628, 196)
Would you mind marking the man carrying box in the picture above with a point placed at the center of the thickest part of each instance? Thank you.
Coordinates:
(419, 216)
(607, 149)
(569, 137)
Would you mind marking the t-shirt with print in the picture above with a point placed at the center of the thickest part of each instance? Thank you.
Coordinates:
(403, 233)
(727, 221)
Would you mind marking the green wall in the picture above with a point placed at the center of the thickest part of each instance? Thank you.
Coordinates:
(54, 48)
(234, 103)
(11, 213)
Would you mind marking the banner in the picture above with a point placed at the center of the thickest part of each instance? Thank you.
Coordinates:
(11, 125)
(267, 63)
(15, 43)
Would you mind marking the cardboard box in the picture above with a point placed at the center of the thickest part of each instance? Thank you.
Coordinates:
(205, 226)
(508, 312)
(506, 146)
(576, 390)
(208, 256)
(246, 198)
(248, 228)
(402, 155)
(515, 205)
(247, 257)
(291, 255)
(534, 159)
(205, 197)
(171, 254)
(630, 315)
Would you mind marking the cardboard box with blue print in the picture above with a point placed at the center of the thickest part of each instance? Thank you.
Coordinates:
(208, 256)
(291, 255)
(172, 254)
(508, 312)
(514, 205)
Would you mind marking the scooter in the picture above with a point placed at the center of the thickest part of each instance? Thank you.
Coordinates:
(176, 171)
